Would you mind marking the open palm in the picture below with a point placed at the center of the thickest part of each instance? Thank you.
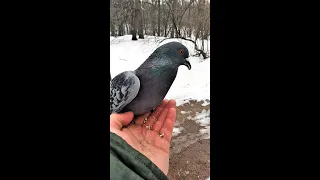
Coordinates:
(150, 134)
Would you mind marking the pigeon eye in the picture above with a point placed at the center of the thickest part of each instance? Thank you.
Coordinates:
(181, 51)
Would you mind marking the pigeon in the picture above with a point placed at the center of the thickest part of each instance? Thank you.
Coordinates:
(142, 90)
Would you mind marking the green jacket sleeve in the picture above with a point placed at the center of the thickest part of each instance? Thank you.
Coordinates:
(128, 164)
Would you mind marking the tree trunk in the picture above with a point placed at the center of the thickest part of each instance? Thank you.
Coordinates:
(145, 29)
(135, 21)
(184, 33)
(120, 30)
(159, 14)
(189, 26)
(177, 32)
(165, 24)
(206, 34)
(140, 24)
(197, 33)
(189, 32)
(153, 31)
(165, 30)
(113, 29)
(172, 32)
(202, 41)
(127, 28)
(153, 27)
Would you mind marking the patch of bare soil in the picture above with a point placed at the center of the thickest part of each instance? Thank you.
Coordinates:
(189, 151)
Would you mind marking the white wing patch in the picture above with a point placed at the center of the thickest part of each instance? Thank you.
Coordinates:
(124, 89)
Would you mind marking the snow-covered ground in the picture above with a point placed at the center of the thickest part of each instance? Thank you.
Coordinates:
(189, 84)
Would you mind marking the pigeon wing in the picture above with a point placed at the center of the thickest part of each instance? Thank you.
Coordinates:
(123, 89)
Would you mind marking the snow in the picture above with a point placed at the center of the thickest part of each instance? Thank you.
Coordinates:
(203, 119)
(194, 84)
(176, 131)
(206, 102)
(127, 55)
(185, 112)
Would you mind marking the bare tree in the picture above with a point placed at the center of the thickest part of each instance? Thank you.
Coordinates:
(135, 20)
(159, 14)
(112, 28)
(139, 19)
(187, 19)
(120, 13)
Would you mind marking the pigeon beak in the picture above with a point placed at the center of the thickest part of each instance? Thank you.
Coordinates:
(187, 63)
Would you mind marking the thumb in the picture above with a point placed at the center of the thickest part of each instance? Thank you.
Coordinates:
(118, 121)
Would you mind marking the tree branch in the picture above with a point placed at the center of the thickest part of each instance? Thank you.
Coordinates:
(204, 55)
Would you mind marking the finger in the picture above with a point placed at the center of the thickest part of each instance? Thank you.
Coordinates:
(156, 113)
(118, 121)
(159, 123)
(164, 103)
(168, 125)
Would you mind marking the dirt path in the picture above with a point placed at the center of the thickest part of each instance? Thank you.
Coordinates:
(190, 150)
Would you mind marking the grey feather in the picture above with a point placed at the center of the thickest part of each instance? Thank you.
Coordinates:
(150, 82)
(123, 89)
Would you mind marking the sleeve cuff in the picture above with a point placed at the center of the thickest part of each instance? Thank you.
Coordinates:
(133, 159)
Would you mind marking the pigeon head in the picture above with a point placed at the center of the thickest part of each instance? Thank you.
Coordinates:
(177, 52)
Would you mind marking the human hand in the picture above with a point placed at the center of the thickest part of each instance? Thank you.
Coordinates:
(152, 137)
